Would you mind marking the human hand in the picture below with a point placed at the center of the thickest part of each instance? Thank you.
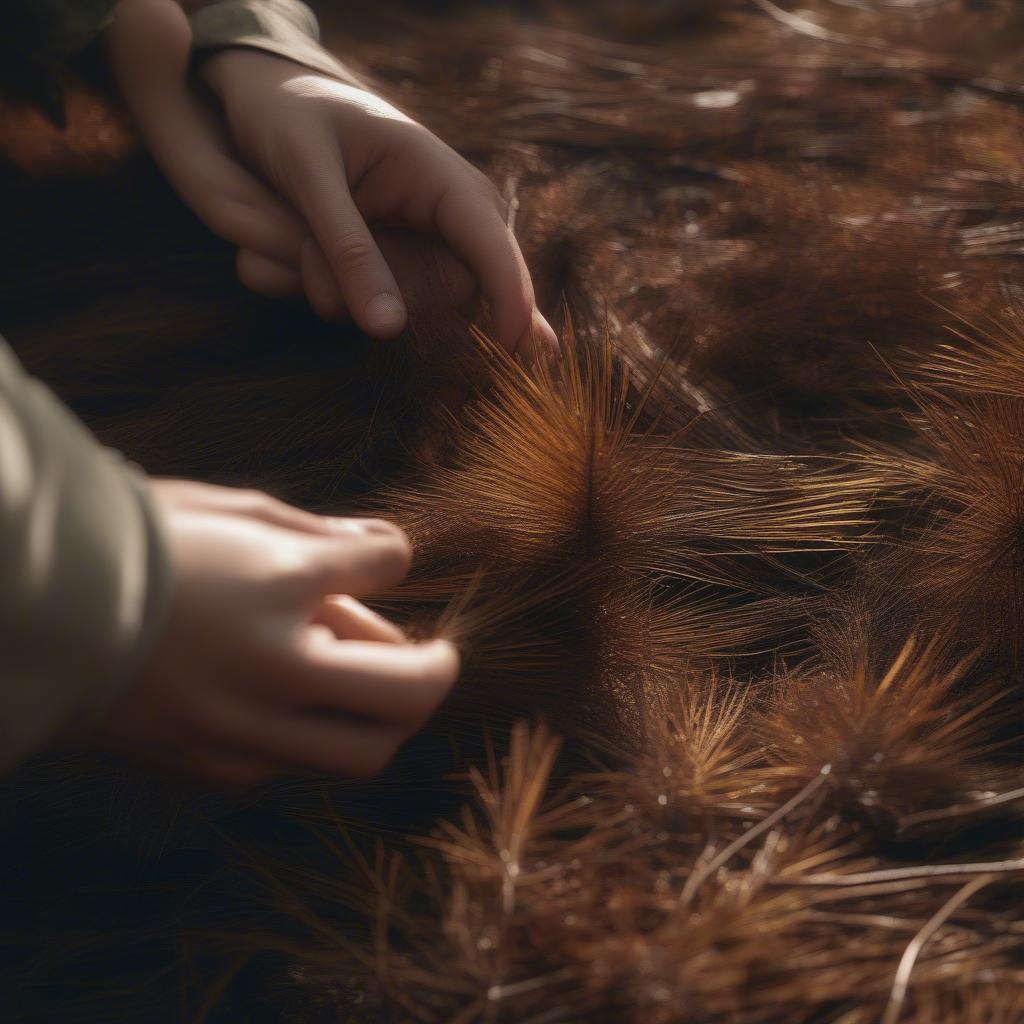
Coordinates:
(346, 160)
(149, 48)
(267, 662)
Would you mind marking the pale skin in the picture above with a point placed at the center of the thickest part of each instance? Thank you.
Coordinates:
(269, 663)
(325, 188)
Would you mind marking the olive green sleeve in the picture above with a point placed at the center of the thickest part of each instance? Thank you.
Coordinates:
(285, 28)
(38, 37)
(85, 583)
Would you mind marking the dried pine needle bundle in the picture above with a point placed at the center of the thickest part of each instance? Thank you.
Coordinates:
(770, 805)
(962, 484)
(628, 553)
(982, 358)
(899, 738)
(551, 472)
(697, 766)
(807, 280)
(526, 907)
(837, 840)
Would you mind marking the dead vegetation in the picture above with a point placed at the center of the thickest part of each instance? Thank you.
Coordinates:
(739, 584)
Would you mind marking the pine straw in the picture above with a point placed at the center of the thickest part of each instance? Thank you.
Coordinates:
(737, 582)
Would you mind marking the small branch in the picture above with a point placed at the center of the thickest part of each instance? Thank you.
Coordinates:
(697, 879)
(997, 867)
(961, 810)
(806, 27)
(920, 940)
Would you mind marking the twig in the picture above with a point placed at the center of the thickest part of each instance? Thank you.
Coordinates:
(961, 810)
(999, 867)
(806, 27)
(920, 940)
(697, 879)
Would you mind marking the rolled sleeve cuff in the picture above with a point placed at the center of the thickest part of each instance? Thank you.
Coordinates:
(87, 580)
(285, 28)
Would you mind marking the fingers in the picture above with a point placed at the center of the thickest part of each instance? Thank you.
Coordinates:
(469, 221)
(429, 275)
(349, 619)
(373, 696)
(259, 505)
(539, 340)
(189, 145)
(149, 45)
(428, 272)
(399, 683)
(352, 704)
(381, 540)
(266, 276)
(363, 277)
(365, 559)
(319, 284)
(256, 222)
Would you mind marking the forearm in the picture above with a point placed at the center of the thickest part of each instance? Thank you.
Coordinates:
(85, 583)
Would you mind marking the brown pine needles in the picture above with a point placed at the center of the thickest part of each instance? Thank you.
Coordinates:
(738, 581)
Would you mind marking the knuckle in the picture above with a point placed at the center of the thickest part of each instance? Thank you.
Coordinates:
(384, 560)
(381, 526)
(295, 563)
(347, 527)
(351, 249)
(292, 156)
(253, 501)
(437, 685)
(327, 560)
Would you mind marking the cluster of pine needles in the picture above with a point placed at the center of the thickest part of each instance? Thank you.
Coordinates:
(747, 564)
(738, 580)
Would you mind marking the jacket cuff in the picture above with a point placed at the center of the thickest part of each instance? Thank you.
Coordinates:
(86, 582)
(285, 28)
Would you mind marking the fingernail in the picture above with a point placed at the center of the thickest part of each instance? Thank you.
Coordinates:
(345, 524)
(445, 647)
(544, 331)
(363, 526)
(380, 526)
(385, 314)
(539, 340)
